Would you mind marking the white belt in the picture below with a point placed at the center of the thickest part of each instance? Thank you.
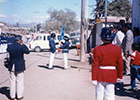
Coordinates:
(65, 49)
(107, 67)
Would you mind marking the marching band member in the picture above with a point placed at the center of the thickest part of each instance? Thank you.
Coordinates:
(52, 49)
(65, 50)
(107, 66)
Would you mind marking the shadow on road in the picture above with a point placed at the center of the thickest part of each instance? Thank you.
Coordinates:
(74, 60)
(58, 58)
(121, 91)
(5, 91)
(42, 66)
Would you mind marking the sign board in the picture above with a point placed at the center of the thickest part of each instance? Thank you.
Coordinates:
(98, 21)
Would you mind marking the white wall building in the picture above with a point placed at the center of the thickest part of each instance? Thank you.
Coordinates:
(136, 13)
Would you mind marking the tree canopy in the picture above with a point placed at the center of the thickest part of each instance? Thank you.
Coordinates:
(58, 18)
(114, 8)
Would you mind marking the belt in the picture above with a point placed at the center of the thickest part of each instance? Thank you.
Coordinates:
(65, 49)
(107, 67)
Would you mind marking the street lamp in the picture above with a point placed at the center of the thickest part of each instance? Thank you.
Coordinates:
(36, 19)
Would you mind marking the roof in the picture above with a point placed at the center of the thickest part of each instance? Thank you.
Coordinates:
(112, 19)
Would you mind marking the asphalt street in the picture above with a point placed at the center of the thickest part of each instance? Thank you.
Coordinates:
(58, 84)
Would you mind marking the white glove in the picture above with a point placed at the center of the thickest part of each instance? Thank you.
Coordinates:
(94, 82)
(119, 80)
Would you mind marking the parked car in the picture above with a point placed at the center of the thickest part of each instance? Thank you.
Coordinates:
(41, 42)
(75, 39)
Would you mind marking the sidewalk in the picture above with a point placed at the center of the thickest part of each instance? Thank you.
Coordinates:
(58, 84)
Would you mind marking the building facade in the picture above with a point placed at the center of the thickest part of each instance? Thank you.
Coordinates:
(136, 13)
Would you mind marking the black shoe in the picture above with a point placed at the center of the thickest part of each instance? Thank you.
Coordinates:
(135, 90)
(12, 99)
(20, 98)
(50, 68)
(124, 74)
(64, 68)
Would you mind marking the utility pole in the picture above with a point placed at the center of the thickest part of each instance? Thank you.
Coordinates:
(105, 13)
(82, 56)
(76, 8)
(87, 35)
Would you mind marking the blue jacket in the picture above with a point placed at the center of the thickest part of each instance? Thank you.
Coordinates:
(16, 52)
(52, 45)
(3, 40)
(65, 47)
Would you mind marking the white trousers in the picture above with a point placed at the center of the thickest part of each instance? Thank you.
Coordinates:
(65, 59)
(127, 65)
(51, 59)
(105, 91)
(16, 83)
(3, 48)
(0, 48)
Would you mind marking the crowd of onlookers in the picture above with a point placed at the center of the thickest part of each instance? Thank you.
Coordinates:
(129, 41)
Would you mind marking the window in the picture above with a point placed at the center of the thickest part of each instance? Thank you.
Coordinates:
(59, 37)
(38, 38)
(44, 38)
(48, 37)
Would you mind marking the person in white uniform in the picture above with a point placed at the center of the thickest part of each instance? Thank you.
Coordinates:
(52, 49)
(65, 50)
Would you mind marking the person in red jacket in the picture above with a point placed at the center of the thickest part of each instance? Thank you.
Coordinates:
(134, 63)
(107, 66)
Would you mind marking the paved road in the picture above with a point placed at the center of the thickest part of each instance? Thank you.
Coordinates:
(58, 84)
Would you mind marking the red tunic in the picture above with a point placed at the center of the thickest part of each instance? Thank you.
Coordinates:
(107, 55)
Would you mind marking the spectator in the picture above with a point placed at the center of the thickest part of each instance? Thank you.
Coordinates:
(118, 37)
(17, 67)
(127, 50)
(32, 37)
(136, 35)
(78, 47)
(27, 37)
(134, 62)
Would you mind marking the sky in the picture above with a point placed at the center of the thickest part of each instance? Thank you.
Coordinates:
(28, 11)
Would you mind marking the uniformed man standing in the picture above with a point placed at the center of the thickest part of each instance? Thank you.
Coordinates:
(107, 66)
(17, 67)
(52, 49)
(65, 50)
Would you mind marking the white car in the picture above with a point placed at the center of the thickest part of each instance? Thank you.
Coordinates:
(41, 42)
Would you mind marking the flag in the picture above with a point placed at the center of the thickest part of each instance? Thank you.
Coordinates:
(62, 33)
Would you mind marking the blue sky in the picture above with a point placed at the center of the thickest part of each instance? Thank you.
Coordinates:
(24, 11)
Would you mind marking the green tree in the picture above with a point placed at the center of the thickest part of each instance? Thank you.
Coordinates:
(58, 18)
(114, 8)
(120, 8)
